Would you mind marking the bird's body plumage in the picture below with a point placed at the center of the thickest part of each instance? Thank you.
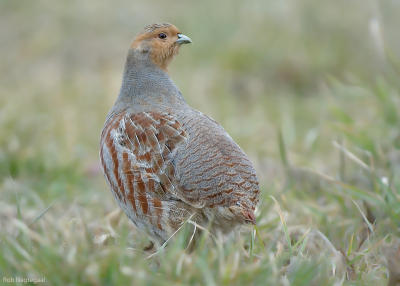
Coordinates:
(166, 162)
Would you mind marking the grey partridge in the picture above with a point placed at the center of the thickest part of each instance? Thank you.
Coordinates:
(165, 161)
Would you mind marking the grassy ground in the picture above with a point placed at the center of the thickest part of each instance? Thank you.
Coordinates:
(308, 88)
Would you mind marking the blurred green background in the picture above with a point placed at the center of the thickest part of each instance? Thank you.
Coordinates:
(309, 89)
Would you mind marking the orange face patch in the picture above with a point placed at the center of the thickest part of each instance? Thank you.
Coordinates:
(161, 39)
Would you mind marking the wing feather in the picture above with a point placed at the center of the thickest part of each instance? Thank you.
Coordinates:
(189, 157)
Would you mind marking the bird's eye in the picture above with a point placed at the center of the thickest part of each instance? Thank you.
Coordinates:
(162, 35)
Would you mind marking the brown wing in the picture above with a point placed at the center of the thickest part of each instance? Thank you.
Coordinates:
(136, 153)
(186, 156)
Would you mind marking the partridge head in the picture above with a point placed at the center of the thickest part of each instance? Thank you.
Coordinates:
(166, 162)
(161, 42)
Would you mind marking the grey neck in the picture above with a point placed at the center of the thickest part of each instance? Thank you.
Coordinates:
(144, 83)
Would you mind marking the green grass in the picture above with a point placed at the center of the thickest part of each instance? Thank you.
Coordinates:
(308, 88)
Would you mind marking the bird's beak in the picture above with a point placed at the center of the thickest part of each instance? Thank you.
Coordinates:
(183, 39)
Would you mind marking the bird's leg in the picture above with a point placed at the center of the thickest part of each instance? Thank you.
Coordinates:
(149, 247)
